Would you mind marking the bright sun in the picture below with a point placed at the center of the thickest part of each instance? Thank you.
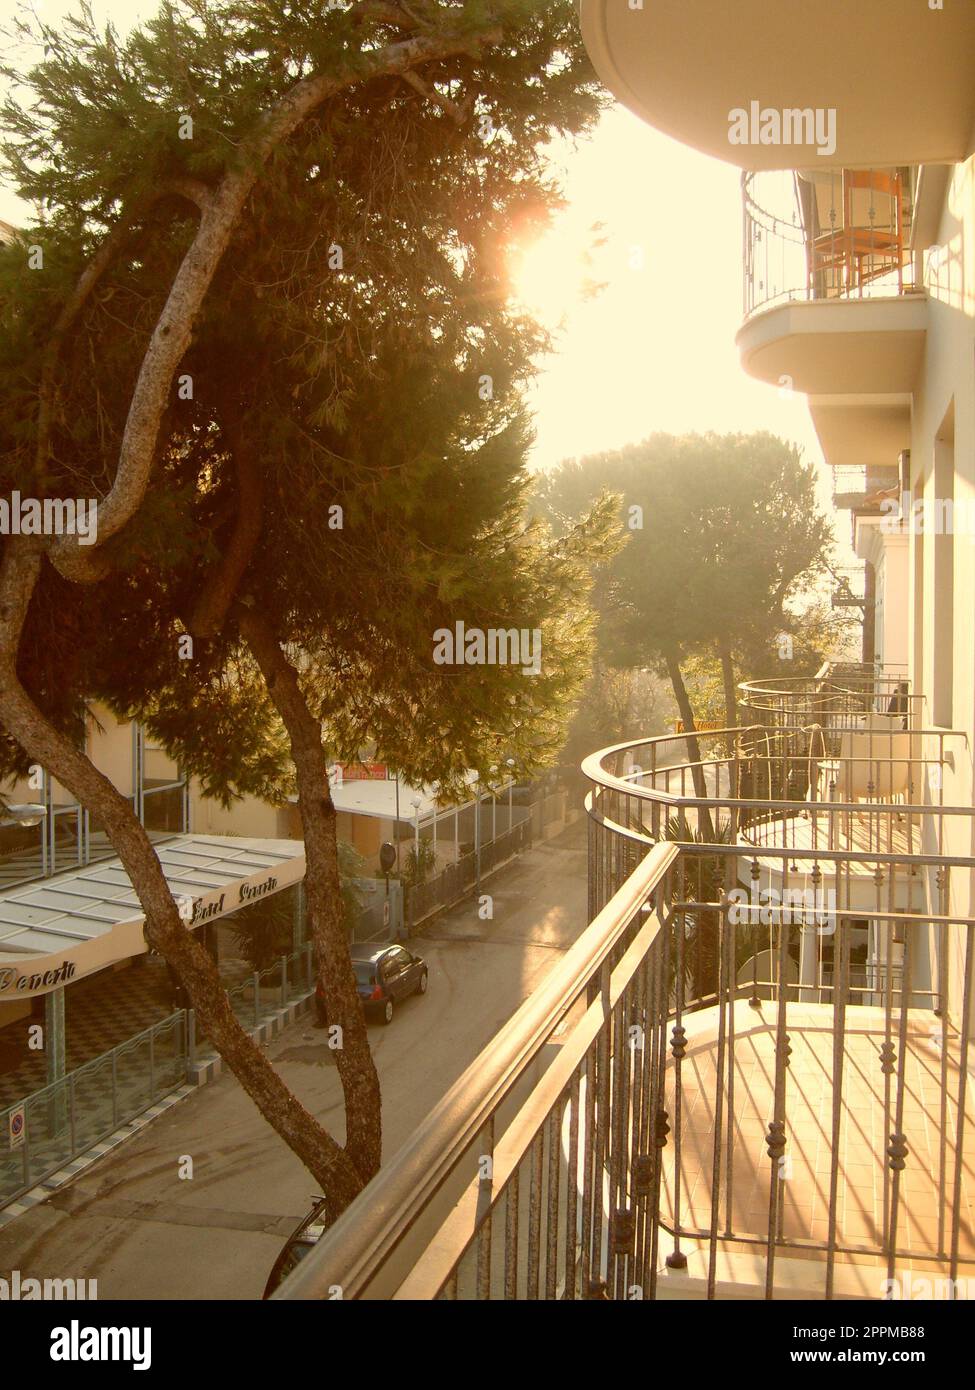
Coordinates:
(548, 276)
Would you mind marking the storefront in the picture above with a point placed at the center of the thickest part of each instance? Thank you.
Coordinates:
(84, 927)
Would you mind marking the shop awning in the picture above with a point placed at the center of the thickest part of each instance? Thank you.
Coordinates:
(63, 928)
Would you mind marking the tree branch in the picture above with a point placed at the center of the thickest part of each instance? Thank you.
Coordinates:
(459, 112)
(211, 609)
(113, 244)
(174, 328)
(24, 721)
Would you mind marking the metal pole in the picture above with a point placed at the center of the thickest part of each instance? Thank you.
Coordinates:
(396, 834)
(477, 842)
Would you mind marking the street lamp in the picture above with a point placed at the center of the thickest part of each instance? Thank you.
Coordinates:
(511, 787)
(475, 780)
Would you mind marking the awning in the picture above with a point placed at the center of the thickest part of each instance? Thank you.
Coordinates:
(377, 799)
(74, 924)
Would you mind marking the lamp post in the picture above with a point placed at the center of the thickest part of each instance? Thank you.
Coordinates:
(511, 787)
(476, 779)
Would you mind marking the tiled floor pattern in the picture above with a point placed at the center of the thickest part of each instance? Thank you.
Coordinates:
(100, 1012)
(867, 1117)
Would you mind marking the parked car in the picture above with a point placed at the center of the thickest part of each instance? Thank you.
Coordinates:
(303, 1238)
(384, 974)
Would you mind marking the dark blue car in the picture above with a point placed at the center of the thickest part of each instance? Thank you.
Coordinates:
(384, 974)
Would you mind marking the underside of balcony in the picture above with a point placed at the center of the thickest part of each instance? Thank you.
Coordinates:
(900, 94)
(857, 347)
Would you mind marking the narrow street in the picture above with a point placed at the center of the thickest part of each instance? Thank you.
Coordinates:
(142, 1231)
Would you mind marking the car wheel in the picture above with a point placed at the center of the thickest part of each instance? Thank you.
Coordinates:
(387, 1011)
(422, 986)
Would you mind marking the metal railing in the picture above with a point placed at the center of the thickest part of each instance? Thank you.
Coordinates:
(840, 235)
(837, 696)
(501, 1191)
(264, 992)
(718, 1051)
(49, 1128)
(459, 878)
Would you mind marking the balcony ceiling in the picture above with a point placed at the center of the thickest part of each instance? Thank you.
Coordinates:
(898, 74)
(839, 347)
(863, 431)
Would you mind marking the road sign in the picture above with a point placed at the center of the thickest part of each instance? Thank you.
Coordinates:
(18, 1126)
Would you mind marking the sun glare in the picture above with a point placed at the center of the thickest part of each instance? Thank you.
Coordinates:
(549, 276)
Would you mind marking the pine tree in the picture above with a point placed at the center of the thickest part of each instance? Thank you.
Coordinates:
(272, 288)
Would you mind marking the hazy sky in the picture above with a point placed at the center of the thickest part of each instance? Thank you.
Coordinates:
(655, 349)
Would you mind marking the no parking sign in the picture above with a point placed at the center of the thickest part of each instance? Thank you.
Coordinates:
(18, 1126)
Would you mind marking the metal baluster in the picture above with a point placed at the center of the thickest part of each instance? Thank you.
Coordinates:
(966, 1017)
(483, 1216)
(776, 1138)
(511, 1198)
(535, 1213)
(897, 1148)
(572, 1189)
(552, 1219)
(841, 974)
(718, 1101)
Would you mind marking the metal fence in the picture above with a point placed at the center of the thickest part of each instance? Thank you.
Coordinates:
(54, 1125)
(458, 879)
(49, 1128)
(265, 992)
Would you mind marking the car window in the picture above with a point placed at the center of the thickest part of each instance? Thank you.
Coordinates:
(364, 972)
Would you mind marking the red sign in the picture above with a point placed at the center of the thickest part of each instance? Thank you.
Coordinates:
(362, 772)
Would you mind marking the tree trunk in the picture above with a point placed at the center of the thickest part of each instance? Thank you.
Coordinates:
(693, 746)
(728, 680)
(325, 1159)
(356, 1068)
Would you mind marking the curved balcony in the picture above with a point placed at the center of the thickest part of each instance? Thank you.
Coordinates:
(748, 1077)
(815, 944)
(897, 79)
(831, 306)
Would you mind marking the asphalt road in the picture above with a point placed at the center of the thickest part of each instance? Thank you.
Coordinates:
(142, 1231)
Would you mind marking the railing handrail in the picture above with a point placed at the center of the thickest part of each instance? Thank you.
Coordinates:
(357, 1249)
(593, 770)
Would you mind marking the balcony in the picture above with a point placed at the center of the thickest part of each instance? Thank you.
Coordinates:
(831, 306)
(897, 79)
(855, 486)
(749, 1078)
